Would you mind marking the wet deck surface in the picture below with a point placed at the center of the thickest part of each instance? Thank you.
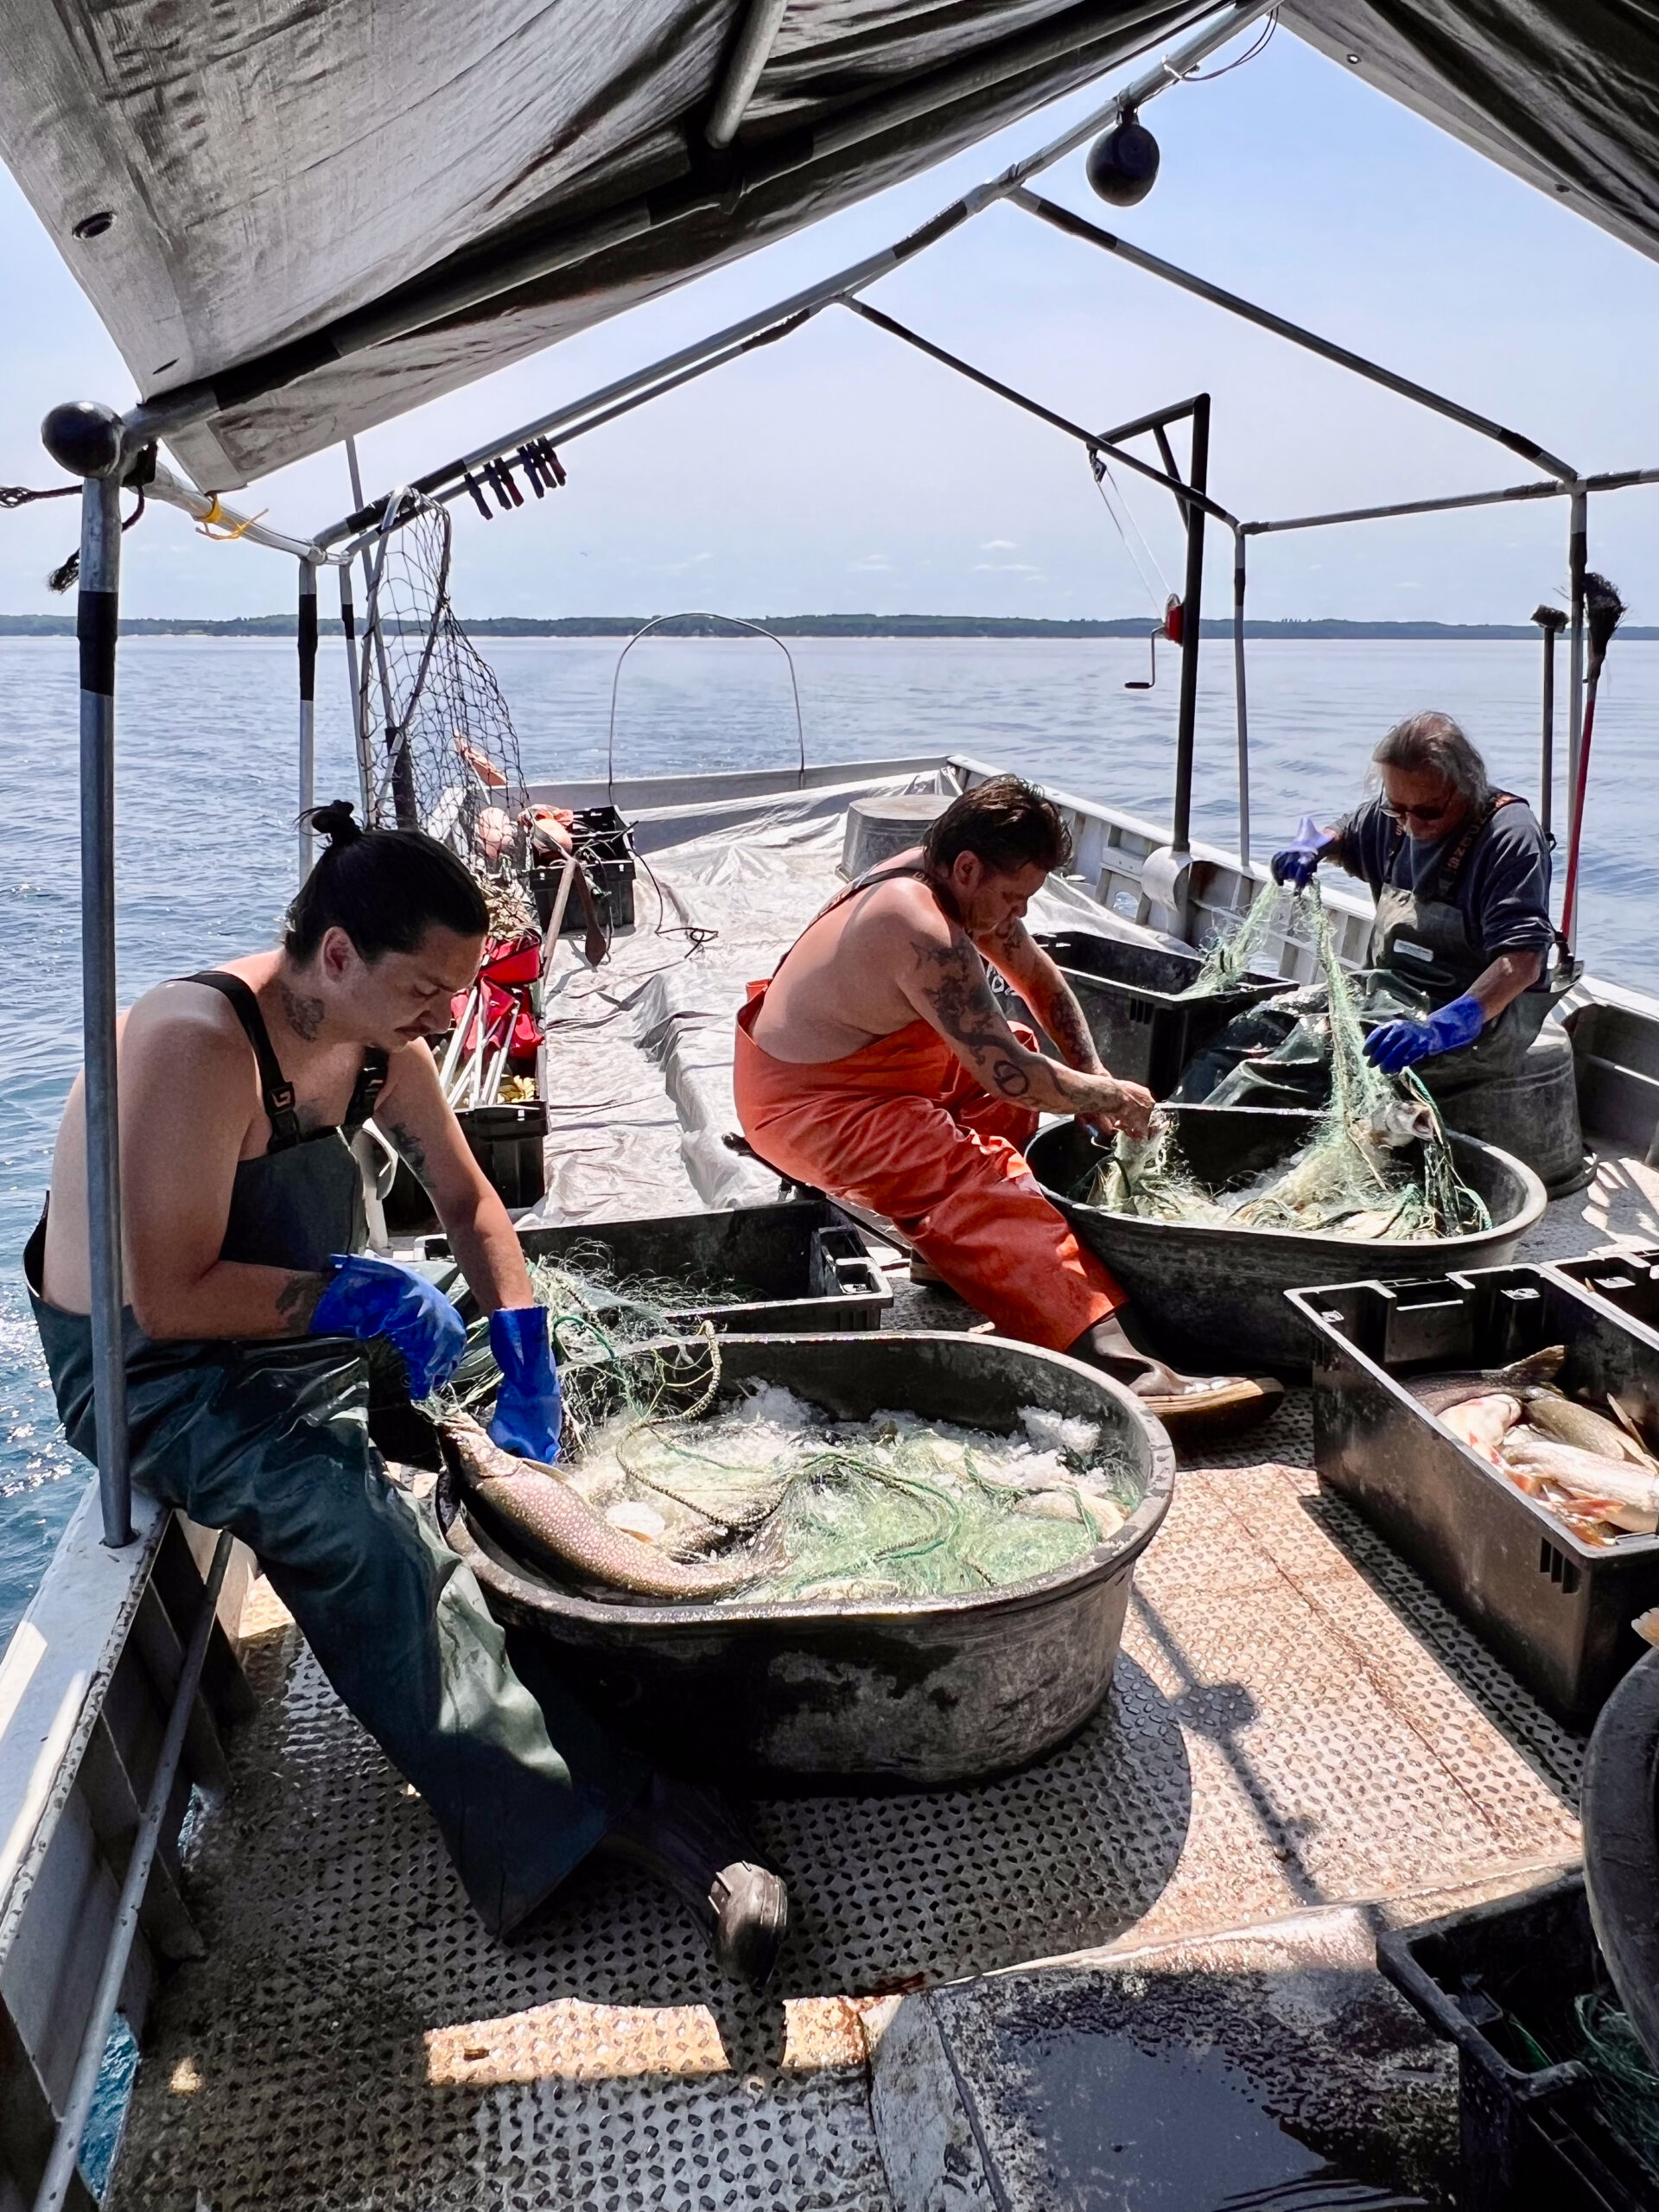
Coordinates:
(1297, 1726)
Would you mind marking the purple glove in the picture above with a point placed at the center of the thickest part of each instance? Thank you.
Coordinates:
(1402, 1043)
(1296, 861)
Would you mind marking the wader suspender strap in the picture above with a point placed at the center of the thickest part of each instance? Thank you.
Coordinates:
(868, 881)
(1452, 866)
(275, 1092)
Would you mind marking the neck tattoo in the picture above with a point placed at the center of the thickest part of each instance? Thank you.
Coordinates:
(303, 1015)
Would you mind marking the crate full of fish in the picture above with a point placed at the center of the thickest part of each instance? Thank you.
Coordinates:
(1502, 1431)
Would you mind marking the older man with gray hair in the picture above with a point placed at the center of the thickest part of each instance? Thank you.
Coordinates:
(1460, 874)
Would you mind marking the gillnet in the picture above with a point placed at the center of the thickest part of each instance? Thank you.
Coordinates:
(1625, 2080)
(895, 1506)
(1377, 1165)
(441, 754)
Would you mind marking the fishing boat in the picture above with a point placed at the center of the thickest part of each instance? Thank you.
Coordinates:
(227, 1929)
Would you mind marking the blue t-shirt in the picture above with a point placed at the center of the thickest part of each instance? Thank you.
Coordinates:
(1501, 889)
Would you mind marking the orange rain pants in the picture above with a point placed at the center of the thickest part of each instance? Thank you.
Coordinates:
(901, 1127)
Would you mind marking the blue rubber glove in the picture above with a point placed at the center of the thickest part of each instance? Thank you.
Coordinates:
(1296, 861)
(378, 1298)
(1402, 1043)
(528, 1412)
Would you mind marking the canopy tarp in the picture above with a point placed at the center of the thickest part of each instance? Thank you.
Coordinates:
(274, 165)
(1564, 92)
(268, 167)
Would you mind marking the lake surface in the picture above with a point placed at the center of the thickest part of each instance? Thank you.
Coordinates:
(207, 795)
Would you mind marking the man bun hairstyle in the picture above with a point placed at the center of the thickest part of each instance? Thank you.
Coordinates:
(1433, 740)
(385, 888)
(1009, 823)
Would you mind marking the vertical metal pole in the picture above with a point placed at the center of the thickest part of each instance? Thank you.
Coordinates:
(1547, 737)
(366, 766)
(96, 624)
(1187, 712)
(307, 640)
(359, 742)
(1577, 559)
(1241, 704)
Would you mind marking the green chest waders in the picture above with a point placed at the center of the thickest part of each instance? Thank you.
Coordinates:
(269, 1438)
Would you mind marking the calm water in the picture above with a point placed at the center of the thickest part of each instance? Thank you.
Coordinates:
(206, 796)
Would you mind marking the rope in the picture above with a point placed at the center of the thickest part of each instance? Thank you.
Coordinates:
(20, 495)
(1264, 39)
(1101, 469)
(232, 530)
(68, 572)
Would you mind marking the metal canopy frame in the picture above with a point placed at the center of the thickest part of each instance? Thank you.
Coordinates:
(107, 450)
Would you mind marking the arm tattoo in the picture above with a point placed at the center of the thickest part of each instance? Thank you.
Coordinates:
(408, 1146)
(1050, 997)
(960, 998)
(297, 1302)
(303, 1015)
(1065, 1022)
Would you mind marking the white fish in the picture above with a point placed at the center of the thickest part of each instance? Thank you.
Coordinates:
(1585, 1474)
(1483, 1423)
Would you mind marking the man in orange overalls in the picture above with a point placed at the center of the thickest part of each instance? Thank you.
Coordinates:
(876, 1065)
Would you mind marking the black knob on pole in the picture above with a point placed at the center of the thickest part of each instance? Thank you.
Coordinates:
(84, 436)
(1122, 165)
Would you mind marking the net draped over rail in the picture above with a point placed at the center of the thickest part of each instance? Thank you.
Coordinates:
(442, 755)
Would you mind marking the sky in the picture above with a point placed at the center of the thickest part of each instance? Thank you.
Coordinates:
(839, 471)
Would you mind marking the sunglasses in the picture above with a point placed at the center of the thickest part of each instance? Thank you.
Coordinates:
(1426, 815)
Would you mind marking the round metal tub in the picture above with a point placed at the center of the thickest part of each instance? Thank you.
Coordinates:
(1211, 1293)
(1621, 1843)
(924, 1690)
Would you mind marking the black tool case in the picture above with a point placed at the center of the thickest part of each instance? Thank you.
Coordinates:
(1555, 1608)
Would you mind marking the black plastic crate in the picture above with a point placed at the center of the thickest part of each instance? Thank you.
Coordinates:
(1626, 1281)
(604, 845)
(1555, 1608)
(508, 1142)
(808, 1268)
(1129, 994)
(1493, 1980)
(1616, 1059)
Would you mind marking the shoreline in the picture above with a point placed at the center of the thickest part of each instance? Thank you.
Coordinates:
(897, 628)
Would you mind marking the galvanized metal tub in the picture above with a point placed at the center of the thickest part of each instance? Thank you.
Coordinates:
(927, 1690)
(1211, 1293)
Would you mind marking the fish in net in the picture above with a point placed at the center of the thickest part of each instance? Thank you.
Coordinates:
(1377, 1166)
(442, 751)
(895, 1506)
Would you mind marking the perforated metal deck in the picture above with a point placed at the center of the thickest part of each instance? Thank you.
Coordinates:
(1296, 1719)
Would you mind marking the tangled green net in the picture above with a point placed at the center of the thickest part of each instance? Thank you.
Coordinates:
(1377, 1165)
(895, 1506)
